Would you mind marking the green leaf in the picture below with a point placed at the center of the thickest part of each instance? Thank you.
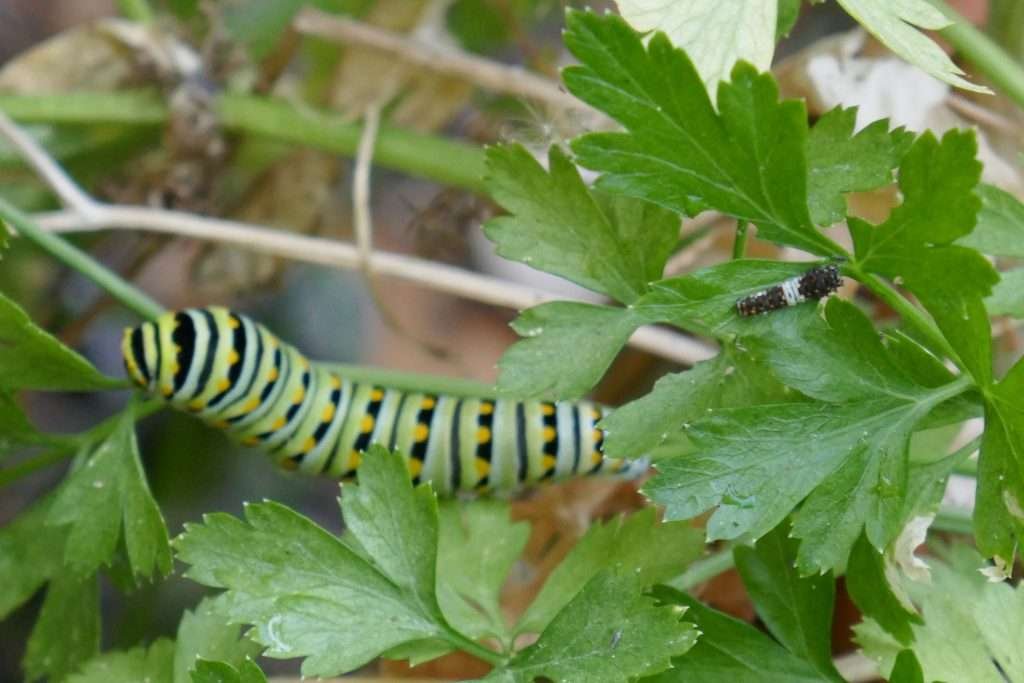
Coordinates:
(896, 24)
(788, 14)
(797, 610)
(705, 301)
(1000, 228)
(205, 634)
(591, 335)
(106, 492)
(731, 650)
(714, 34)
(998, 517)
(152, 665)
(477, 547)
(613, 246)
(207, 671)
(839, 161)
(856, 472)
(609, 631)
(907, 669)
(747, 161)
(971, 626)
(871, 590)
(732, 378)
(1008, 295)
(30, 554)
(67, 632)
(30, 358)
(15, 429)
(307, 592)
(639, 544)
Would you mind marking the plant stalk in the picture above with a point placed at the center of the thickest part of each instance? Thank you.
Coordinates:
(739, 245)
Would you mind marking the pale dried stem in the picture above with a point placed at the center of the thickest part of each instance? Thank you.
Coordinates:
(482, 72)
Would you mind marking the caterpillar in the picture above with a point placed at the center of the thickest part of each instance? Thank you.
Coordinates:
(236, 375)
(814, 284)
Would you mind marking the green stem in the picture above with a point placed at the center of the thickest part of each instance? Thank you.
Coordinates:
(739, 245)
(136, 10)
(75, 258)
(954, 519)
(9, 475)
(985, 54)
(472, 647)
(442, 160)
(911, 314)
(705, 569)
(1006, 24)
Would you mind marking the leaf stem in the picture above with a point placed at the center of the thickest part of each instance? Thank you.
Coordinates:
(739, 245)
(705, 569)
(910, 313)
(472, 647)
(954, 519)
(985, 54)
(9, 475)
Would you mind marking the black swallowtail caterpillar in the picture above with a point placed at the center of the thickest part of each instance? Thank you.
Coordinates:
(236, 375)
(814, 284)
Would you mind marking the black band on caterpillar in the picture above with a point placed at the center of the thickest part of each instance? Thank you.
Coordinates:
(814, 284)
(236, 375)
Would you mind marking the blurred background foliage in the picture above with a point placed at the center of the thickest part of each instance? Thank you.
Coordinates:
(195, 162)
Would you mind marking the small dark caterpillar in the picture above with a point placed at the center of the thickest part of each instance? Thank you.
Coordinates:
(814, 284)
(236, 375)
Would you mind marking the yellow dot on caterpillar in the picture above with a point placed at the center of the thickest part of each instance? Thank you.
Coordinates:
(367, 424)
(289, 464)
(595, 458)
(483, 468)
(328, 413)
(415, 467)
(223, 384)
(232, 357)
(549, 462)
(595, 413)
(308, 445)
(233, 323)
(428, 403)
(300, 394)
(483, 434)
(422, 432)
(221, 424)
(251, 440)
(272, 375)
(354, 458)
(252, 404)
(197, 404)
(304, 362)
(335, 382)
(549, 433)
(278, 423)
(175, 369)
(167, 391)
(597, 435)
(547, 408)
(486, 408)
(376, 395)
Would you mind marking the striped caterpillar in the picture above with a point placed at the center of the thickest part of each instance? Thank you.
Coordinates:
(237, 376)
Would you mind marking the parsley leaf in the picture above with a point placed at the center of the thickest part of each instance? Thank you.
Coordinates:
(714, 34)
(797, 610)
(477, 547)
(855, 476)
(731, 650)
(204, 633)
(609, 631)
(1000, 228)
(308, 593)
(67, 631)
(16, 430)
(896, 24)
(678, 152)
(731, 378)
(222, 672)
(589, 334)
(874, 594)
(30, 554)
(112, 487)
(970, 630)
(638, 544)
(1008, 295)
(839, 161)
(153, 664)
(610, 245)
(31, 358)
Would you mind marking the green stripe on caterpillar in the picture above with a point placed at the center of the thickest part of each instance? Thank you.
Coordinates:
(236, 375)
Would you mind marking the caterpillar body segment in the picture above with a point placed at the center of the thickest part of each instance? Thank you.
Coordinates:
(815, 284)
(236, 375)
